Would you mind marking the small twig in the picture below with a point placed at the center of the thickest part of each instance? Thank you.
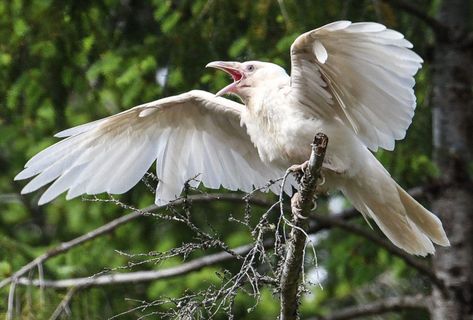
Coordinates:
(109, 227)
(319, 222)
(285, 14)
(11, 300)
(379, 307)
(64, 305)
(41, 278)
(66, 246)
(302, 204)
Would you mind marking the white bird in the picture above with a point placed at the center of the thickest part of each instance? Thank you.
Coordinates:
(352, 81)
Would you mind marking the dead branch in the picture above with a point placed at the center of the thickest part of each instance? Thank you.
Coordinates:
(302, 203)
(139, 276)
(11, 300)
(322, 223)
(318, 223)
(379, 307)
(66, 246)
(112, 225)
(252, 257)
(63, 307)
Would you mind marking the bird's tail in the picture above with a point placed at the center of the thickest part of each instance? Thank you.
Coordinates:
(401, 218)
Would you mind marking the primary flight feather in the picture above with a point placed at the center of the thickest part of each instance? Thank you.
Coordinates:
(352, 81)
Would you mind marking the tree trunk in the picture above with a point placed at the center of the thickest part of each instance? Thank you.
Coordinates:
(453, 142)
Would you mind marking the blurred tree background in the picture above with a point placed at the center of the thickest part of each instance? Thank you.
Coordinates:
(64, 63)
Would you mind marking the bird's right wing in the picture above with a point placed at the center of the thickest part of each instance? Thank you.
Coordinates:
(362, 73)
(192, 134)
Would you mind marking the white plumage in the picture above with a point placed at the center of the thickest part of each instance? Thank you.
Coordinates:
(351, 81)
(192, 134)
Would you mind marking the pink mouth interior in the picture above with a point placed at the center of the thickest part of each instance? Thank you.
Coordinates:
(235, 74)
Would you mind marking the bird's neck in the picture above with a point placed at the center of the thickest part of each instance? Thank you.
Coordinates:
(265, 120)
(261, 99)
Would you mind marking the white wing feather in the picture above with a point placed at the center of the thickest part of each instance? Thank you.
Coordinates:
(192, 134)
(367, 71)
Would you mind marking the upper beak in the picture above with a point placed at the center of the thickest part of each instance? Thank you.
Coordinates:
(233, 69)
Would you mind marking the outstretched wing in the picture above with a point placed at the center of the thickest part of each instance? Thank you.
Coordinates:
(191, 134)
(361, 73)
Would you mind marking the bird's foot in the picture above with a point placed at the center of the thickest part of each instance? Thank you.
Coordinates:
(298, 170)
(296, 206)
(321, 180)
(298, 167)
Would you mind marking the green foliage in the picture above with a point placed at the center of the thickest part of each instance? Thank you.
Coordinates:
(63, 63)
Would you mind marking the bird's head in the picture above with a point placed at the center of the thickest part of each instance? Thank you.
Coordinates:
(249, 76)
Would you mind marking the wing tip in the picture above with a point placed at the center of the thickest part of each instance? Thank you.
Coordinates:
(20, 176)
(29, 188)
(44, 199)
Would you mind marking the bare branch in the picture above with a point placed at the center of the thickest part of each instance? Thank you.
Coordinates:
(439, 28)
(318, 223)
(379, 307)
(112, 225)
(64, 247)
(194, 265)
(11, 301)
(139, 276)
(285, 14)
(63, 307)
(302, 203)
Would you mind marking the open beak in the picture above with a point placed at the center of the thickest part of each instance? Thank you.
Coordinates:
(233, 69)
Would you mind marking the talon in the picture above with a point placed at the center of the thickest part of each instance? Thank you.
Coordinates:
(315, 204)
(295, 200)
(298, 167)
(299, 216)
(295, 206)
(322, 178)
(298, 170)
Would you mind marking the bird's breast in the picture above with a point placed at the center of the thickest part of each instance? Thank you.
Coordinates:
(281, 134)
(282, 131)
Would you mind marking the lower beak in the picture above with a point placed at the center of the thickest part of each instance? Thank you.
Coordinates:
(233, 69)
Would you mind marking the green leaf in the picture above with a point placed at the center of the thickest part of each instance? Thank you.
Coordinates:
(20, 28)
(128, 76)
(5, 59)
(88, 43)
(45, 49)
(148, 64)
(170, 22)
(162, 10)
(5, 269)
(237, 47)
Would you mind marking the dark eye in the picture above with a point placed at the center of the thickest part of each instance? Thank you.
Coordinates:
(250, 67)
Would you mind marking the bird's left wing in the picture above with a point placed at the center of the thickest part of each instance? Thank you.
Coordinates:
(192, 134)
(361, 73)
